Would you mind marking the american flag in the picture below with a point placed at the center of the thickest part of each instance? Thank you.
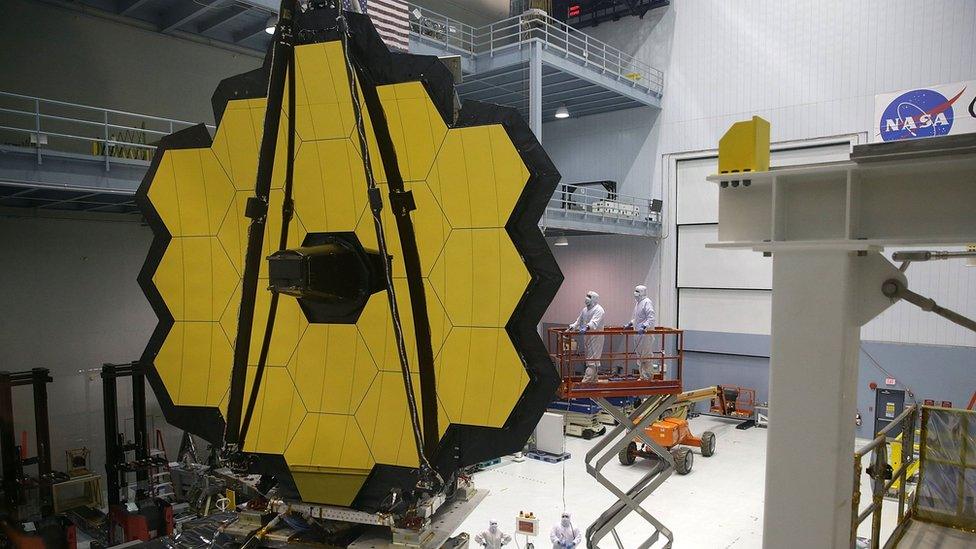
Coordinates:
(390, 17)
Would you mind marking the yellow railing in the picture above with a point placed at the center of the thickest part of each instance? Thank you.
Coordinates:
(883, 476)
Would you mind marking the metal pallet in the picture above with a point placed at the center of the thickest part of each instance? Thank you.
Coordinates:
(547, 457)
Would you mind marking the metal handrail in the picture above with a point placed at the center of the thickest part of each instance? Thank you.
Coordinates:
(880, 485)
(99, 109)
(556, 36)
(112, 142)
(122, 134)
(81, 121)
(600, 203)
(618, 360)
(439, 28)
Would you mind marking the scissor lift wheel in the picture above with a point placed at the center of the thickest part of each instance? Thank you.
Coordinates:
(707, 444)
(628, 455)
(683, 457)
(683, 460)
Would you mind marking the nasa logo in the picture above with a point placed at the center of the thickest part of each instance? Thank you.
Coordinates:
(917, 113)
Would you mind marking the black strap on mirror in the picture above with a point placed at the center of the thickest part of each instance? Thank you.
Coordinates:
(257, 207)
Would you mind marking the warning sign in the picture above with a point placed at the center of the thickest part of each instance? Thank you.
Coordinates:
(890, 410)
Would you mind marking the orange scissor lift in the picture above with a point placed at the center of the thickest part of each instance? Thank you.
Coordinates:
(618, 376)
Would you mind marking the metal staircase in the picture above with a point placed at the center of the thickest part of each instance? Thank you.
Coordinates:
(573, 68)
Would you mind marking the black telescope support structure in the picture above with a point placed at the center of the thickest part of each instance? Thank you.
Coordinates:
(257, 211)
(8, 444)
(10, 453)
(116, 465)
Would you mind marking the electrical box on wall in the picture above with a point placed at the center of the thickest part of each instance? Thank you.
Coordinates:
(590, 13)
(888, 405)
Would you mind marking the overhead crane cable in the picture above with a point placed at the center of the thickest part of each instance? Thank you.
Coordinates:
(408, 248)
(287, 211)
(564, 485)
(257, 210)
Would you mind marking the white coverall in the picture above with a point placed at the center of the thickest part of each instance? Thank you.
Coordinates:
(492, 538)
(646, 344)
(564, 535)
(591, 319)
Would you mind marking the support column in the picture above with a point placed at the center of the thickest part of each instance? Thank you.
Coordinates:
(113, 454)
(8, 442)
(820, 300)
(535, 89)
(140, 434)
(42, 432)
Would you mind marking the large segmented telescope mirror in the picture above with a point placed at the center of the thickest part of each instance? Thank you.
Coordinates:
(331, 419)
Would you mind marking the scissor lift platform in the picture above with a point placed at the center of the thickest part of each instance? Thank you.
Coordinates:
(618, 376)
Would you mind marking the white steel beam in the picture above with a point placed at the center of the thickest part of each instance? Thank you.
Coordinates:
(535, 89)
(820, 301)
(824, 225)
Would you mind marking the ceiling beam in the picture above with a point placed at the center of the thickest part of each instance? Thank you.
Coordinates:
(124, 205)
(215, 22)
(614, 100)
(128, 6)
(188, 11)
(250, 32)
(271, 6)
(604, 108)
(80, 199)
(19, 194)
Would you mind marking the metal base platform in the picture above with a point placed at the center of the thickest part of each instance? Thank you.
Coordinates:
(547, 457)
(438, 536)
(927, 534)
(582, 425)
(378, 534)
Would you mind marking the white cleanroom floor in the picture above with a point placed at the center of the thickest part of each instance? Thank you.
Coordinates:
(719, 504)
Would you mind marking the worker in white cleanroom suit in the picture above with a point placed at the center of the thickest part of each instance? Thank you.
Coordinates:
(642, 321)
(492, 538)
(590, 319)
(564, 535)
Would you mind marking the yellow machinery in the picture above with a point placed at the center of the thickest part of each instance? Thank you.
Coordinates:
(352, 400)
(895, 459)
(940, 508)
(745, 147)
